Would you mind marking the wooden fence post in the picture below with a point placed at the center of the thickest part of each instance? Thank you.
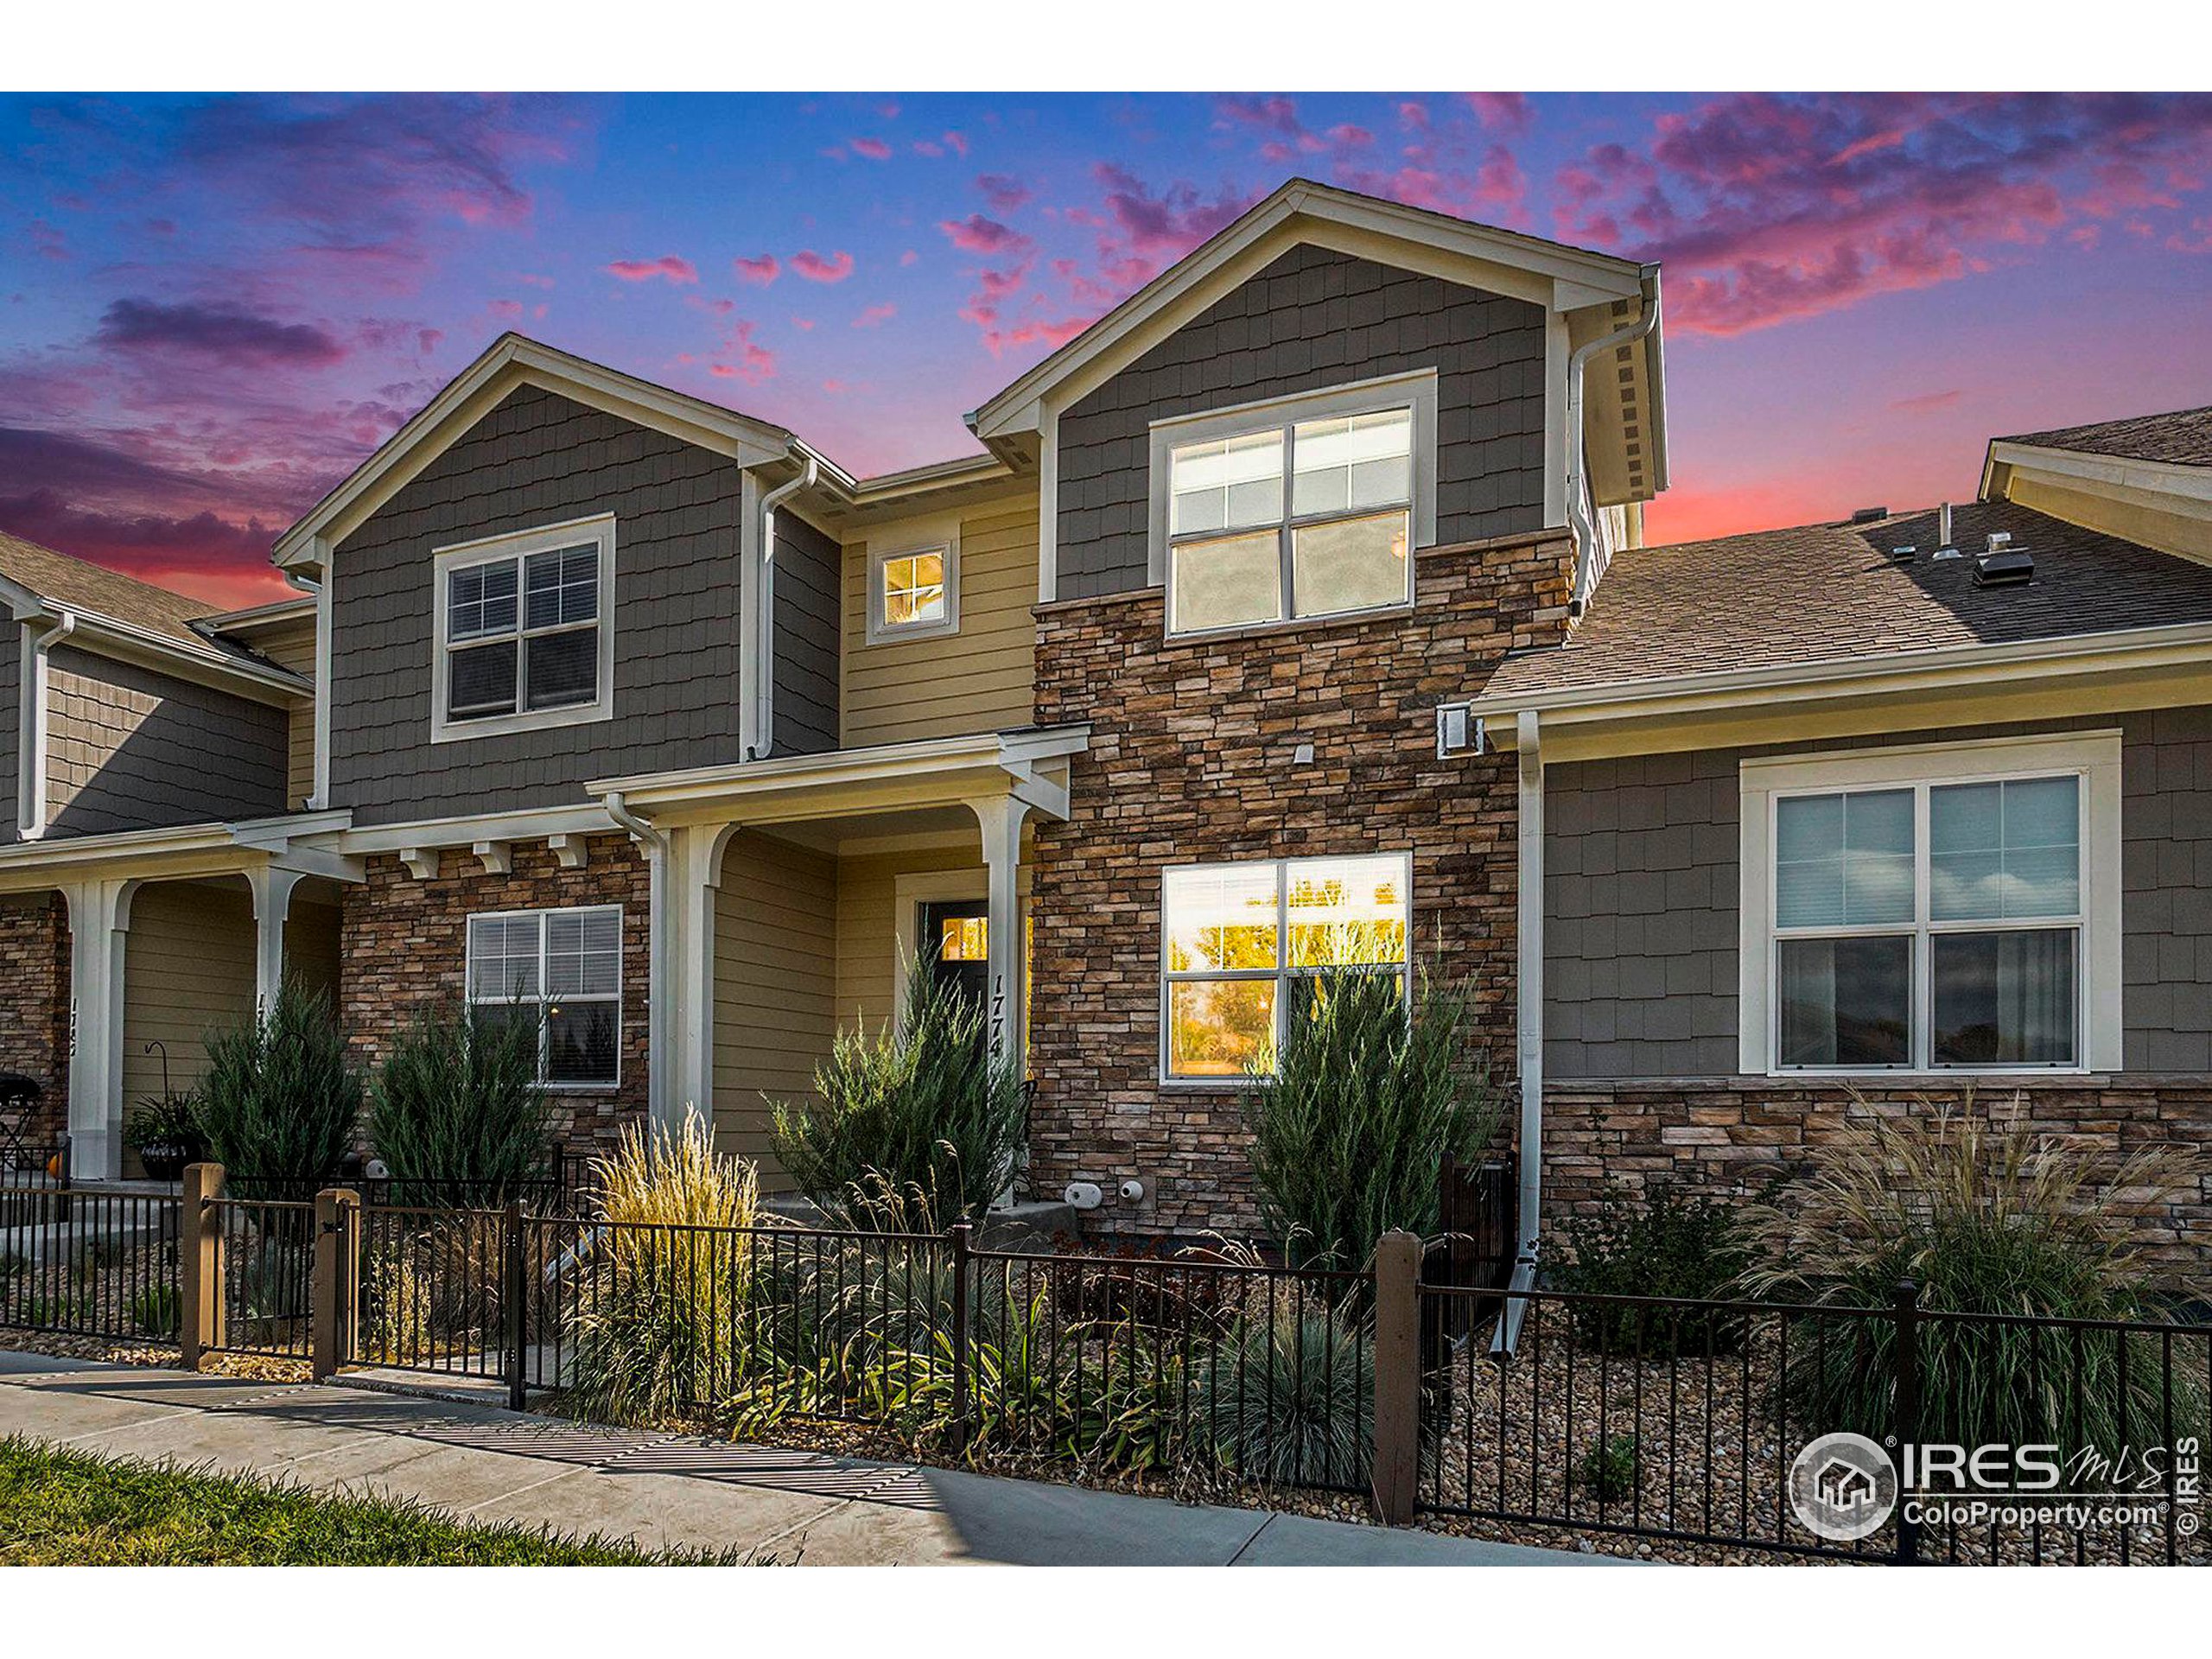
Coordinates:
(200, 1264)
(1396, 1474)
(330, 1304)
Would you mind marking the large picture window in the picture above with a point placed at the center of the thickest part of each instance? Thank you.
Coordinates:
(1303, 507)
(563, 970)
(1934, 922)
(1241, 943)
(524, 636)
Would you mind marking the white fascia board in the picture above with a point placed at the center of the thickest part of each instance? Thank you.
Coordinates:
(535, 823)
(105, 636)
(1946, 666)
(1016, 753)
(2161, 477)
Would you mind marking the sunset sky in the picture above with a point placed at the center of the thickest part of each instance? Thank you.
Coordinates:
(211, 309)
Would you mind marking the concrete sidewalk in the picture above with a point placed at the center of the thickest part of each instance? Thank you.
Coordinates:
(672, 1489)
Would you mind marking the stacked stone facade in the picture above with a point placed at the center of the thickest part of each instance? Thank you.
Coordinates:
(35, 1005)
(1193, 757)
(405, 947)
(1731, 1137)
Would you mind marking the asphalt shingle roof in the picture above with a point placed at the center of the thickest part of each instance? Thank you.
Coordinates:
(80, 586)
(1827, 593)
(2183, 438)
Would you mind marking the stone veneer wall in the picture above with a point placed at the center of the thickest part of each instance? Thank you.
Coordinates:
(1191, 758)
(34, 1004)
(1731, 1136)
(404, 945)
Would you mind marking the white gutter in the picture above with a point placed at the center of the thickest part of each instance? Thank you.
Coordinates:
(660, 966)
(31, 722)
(765, 733)
(1529, 1024)
(1579, 515)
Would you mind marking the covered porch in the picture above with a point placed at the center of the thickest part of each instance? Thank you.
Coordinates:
(792, 897)
(171, 934)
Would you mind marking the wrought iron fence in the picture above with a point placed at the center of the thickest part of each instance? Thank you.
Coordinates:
(1682, 1419)
(266, 1255)
(90, 1264)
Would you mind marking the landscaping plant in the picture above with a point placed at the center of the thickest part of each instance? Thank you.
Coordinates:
(659, 1327)
(921, 1103)
(1288, 1395)
(1608, 1469)
(164, 1131)
(280, 1097)
(1987, 1215)
(457, 1099)
(1364, 1101)
(1673, 1244)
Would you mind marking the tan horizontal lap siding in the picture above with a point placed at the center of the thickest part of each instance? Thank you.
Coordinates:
(775, 979)
(980, 679)
(311, 946)
(187, 969)
(868, 928)
(292, 645)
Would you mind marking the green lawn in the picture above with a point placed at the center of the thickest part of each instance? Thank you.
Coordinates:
(66, 1509)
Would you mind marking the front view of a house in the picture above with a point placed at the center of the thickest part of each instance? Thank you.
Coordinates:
(1295, 614)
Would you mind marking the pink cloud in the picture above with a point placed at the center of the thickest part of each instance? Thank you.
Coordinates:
(1002, 191)
(740, 356)
(874, 149)
(908, 258)
(956, 143)
(875, 314)
(976, 234)
(763, 269)
(1506, 111)
(818, 268)
(670, 267)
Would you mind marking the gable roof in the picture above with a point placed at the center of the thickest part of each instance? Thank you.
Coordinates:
(2182, 437)
(514, 360)
(1552, 274)
(1830, 593)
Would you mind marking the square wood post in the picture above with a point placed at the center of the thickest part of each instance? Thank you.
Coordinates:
(200, 1264)
(330, 1306)
(1395, 1477)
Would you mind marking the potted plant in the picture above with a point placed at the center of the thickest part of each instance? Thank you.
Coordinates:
(164, 1131)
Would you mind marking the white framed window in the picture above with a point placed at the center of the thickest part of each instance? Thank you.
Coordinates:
(914, 584)
(1298, 507)
(563, 970)
(524, 631)
(1941, 907)
(1238, 942)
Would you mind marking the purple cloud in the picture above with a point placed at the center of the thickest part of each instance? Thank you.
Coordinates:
(216, 331)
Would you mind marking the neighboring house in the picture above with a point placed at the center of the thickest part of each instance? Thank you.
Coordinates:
(1296, 614)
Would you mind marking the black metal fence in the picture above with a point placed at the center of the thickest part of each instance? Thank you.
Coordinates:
(1681, 1420)
(89, 1264)
(267, 1276)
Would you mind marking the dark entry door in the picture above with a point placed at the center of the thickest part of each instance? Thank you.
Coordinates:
(958, 932)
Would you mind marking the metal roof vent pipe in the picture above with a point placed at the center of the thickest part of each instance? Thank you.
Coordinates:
(1943, 525)
(2003, 565)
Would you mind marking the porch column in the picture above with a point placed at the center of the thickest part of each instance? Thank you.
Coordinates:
(1002, 817)
(100, 928)
(272, 905)
(695, 874)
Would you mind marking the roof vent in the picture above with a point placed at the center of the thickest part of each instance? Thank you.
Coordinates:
(1904, 555)
(2003, 565)
(1870, 515)
(1943, 525)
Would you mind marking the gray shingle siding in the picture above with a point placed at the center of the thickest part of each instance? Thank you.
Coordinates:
(1314, 319)
(129, 748)
(810, 567)
(1641, 884)
(539, 459)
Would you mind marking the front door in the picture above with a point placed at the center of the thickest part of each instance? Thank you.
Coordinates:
(958, 931)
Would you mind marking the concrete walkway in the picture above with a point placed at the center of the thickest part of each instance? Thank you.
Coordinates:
(484, 1462)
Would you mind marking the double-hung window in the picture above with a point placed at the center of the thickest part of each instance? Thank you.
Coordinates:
(560, 969)
(1302, 507)
(1242, 943)
(1923, 917)
(524, 636)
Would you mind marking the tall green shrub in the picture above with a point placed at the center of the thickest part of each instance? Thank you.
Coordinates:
(458, 1099)
(1350, 1129)
(281, 1098)
(920, 1104)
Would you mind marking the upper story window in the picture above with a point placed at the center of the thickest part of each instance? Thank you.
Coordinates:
(914, 586)
(524, 633)
(1935, 909)
(1300, 507)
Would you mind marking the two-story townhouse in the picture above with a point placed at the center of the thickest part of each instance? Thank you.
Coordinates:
(1297, 612)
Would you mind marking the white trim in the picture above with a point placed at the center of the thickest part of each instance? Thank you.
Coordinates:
(1282, 973)
(325, 599)
(909, 893)
(2161, 479)
(517, 546)
(1048, 506)
(594, 1086)
(2095, 757)
(1558, 352)
(529, 824)
(940, 536)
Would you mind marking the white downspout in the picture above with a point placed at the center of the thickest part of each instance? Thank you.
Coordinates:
(1579, 515)
(765, 733)
(1528, 1019)
(660, 966)
(31, 723)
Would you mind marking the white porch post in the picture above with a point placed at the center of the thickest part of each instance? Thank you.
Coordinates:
(1002, 818)
(695, 863)
(99, 929)
(272, 905)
